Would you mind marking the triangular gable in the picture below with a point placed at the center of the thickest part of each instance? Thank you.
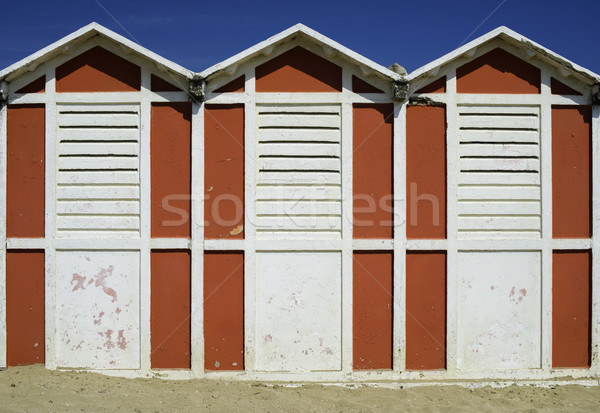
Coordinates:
(78, 37)
(297, 32)
(531, 49)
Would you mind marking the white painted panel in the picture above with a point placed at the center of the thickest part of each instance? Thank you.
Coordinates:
(306, 223)
(298, 311)
(298, 193)
(97, 302)
(305, 178)
(297, 164)
(302, 149)
(499, 310)
(295, 208)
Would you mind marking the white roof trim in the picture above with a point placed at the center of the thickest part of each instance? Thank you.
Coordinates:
(301, 29)
(507, 34)
(86, 32)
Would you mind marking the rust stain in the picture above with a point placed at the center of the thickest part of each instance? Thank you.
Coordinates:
(101, 282)
(121, 341)
(237, 230)
(78, 280)
(109, 343)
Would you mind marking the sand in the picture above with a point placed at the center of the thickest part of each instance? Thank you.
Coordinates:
(35, 389)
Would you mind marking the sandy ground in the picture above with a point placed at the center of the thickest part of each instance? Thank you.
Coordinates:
(35, 389)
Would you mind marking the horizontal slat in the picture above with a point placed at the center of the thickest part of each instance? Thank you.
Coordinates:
(313, 135)
(98, 163)
(104, 120)
(299, 178)
(512, 109)
(325, 164)
(97, 234)
(98, 108)
(298, 192)
(505, 122)
(98, 177)
(307, 235)
(499, 193)
(498, 208)
(499, 150)
(299, 208)
(98, 148)
(496, 164)
(99, 134)
(499, 223)
(98, 207)
(494, 235)
(498, 178)
(299, 223)
(299, 149)
(98, 192)
(296, 120)
(498, 136)
(298, 108)
(97, 222)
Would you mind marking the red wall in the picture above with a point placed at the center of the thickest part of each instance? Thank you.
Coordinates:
(372, 310)
(170, 309)
(571, 308)
(373, 170)
(425, 310)
(224, 310)
(25, 307)
(571, 171)
(25, 186)
(171, 169)
(224, 171)
(426, 172)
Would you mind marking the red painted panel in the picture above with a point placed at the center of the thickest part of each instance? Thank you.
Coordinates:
(98, 70)
(559, 88)
(298, 70)
(498, 71)
(25, 307)
(571, 308)
(360, 86)
(571, 171)
(170, 139)
(373, 170)
(235, 86)
(224, 310)
(425, 310)
(224, 171)
(437, 86)
(372, 310)
(426, 172)
(37, 86)
(158, 84)
(25, 186)
(170, 309)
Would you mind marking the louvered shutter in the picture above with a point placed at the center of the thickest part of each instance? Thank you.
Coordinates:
(98, 171)
(499, 180)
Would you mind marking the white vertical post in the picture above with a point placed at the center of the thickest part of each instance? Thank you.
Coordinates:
(145, 221)
(250, 166)
(3, 140)
(347, 221)
(50, 217)
(197, 251)
(595, 331)
(399, 270)
(546, 253)
(452, 226)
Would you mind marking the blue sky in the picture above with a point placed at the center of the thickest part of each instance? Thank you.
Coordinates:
(198, 34)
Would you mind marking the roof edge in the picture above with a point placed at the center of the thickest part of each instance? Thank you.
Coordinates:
(86, 32)
(288, 33)
(516, 37)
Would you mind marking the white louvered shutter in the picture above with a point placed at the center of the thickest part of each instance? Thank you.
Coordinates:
(298, 173)
(499, 192)
(98, 171)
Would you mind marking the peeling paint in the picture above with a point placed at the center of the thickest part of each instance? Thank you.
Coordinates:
(101, 282)
(237, 230)
(78, 280)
